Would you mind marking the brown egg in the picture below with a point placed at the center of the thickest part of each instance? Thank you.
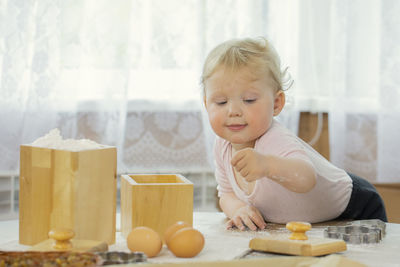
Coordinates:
(186, 242)
(173, 228)
(144, 239)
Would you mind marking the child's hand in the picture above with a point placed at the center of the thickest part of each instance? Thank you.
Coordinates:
(250, 164)
(247, 216)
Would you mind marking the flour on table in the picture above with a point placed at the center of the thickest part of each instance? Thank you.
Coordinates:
(54, 140)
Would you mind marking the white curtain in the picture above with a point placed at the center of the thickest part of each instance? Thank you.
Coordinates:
(349, 62)
(126, 73)
(123, 73)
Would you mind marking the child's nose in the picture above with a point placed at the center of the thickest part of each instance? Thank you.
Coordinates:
(234, 109)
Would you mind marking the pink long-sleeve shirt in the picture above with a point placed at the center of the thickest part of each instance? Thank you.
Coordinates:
(326, 201)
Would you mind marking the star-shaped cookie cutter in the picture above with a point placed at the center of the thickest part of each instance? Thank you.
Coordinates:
(358, 232)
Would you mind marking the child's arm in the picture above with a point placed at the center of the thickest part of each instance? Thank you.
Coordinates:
(296, 175)
(240, 214)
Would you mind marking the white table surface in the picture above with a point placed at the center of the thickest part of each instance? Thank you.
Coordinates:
(222, 244)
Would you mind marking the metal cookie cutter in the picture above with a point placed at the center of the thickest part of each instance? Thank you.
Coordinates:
(375, 223)
(115, 257)
(358, 232)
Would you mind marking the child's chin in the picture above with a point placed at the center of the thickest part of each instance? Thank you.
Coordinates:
(241, 143)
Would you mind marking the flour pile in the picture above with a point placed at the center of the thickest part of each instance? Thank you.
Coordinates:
(54, 140)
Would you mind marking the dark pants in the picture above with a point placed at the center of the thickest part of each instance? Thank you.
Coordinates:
(365, 202)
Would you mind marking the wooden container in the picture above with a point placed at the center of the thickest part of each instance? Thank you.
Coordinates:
(155, 201)
(67, 189)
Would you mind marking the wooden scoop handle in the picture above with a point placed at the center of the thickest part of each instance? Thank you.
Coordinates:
(62, 238)
(298, 230)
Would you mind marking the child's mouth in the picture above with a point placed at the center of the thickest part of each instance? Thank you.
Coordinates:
(236, 127)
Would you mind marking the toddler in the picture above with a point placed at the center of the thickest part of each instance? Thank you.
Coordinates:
(263, 171)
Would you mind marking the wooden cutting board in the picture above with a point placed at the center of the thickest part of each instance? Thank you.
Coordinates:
(311, 247)
(61, 239)
(77, 246)
(284, 261)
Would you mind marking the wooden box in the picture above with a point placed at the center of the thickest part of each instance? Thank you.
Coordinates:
(155, 201)
(67, 189)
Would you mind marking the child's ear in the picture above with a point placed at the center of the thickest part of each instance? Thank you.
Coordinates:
(279, 102)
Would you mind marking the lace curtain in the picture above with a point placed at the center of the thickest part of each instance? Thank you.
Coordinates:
(123, 73)
(126, 73)
(348, 66)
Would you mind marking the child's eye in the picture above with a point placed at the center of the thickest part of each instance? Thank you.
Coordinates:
(250, 100)
(220, 103)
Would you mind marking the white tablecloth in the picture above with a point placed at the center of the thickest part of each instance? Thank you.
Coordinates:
(222, 244)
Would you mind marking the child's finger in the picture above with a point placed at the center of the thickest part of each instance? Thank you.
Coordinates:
(259, 214)
(259, 220)
(239, 166)
(237, 157)
(238, 223)
(244, 172)
(229, 225)
(249, 223)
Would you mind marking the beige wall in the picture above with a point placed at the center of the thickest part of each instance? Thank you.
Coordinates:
(308, 127)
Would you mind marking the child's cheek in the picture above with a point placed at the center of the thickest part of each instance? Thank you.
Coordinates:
(216, 121)
(214, 118)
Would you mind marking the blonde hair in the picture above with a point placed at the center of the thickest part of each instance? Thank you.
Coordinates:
(256, 53)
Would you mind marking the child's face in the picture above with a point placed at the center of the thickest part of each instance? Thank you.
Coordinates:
(241, 105)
